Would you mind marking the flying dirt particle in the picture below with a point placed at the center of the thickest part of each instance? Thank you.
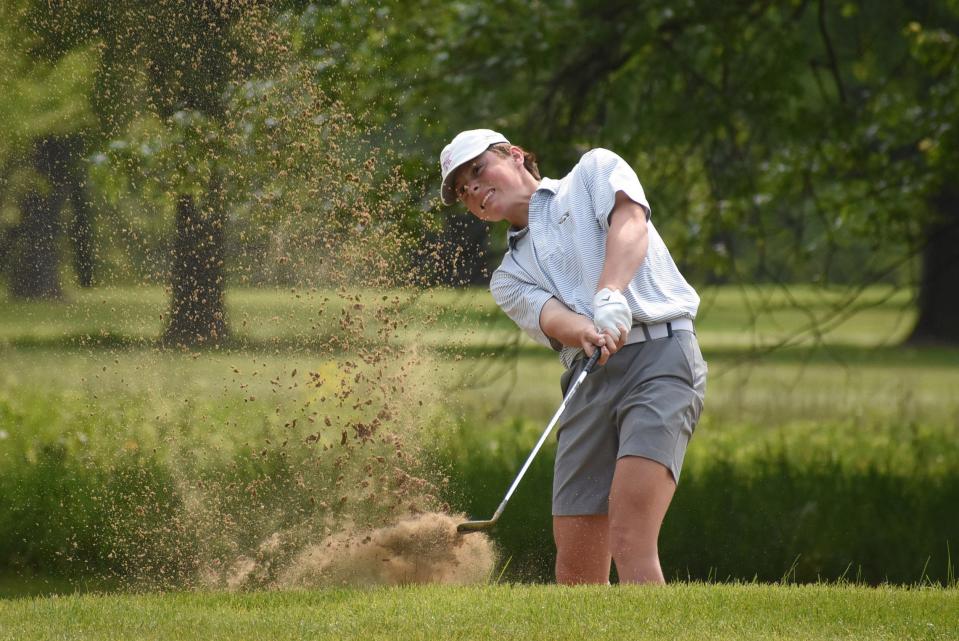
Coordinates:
(422, 549)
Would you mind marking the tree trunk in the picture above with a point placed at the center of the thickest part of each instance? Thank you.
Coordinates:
(197, 314)
(465, 252)
(458, 255)
(938, 321)
(35, 267)
(81, 229)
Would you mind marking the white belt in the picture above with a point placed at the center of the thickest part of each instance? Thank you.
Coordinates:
(641, 333)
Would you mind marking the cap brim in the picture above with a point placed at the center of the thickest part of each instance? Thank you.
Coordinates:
(447, 193)
(448, 190)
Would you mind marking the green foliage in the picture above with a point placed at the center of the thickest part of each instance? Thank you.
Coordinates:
(783, 141)
(110, 479)
(826, 502)
(791, 141)
(295, 168)
(46, 108)
(40, 97)
(55, 96)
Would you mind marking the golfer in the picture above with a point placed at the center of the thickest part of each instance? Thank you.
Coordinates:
(586, 270)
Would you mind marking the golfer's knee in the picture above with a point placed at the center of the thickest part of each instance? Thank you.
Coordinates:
(580, 564)
(574, 571)
(631, 540)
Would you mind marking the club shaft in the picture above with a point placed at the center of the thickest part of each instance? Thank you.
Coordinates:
(549, 428)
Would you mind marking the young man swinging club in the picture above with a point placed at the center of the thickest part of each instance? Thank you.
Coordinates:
(586, 270)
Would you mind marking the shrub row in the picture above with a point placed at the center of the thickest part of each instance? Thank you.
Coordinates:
(786, 512)
(784, 506)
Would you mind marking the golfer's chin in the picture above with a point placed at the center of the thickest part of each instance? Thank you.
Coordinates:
(489, 215)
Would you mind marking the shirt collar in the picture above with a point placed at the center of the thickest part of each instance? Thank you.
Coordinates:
(549, 183)
(513, 235)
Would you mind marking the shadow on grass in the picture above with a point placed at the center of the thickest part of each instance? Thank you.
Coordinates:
(840, 355)
(318, 344)
(28, 586)
(112, 341)
(825, 354)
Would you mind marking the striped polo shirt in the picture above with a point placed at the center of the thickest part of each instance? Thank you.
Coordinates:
(560, 254)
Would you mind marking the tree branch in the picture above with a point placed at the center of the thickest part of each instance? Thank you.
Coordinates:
(833, 64)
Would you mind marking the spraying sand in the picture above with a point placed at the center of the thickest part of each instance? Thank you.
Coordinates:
(420, 549)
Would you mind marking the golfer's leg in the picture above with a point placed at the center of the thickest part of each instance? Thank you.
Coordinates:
(582, 549)
(638, 499)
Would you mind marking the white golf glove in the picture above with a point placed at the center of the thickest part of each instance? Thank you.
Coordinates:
(610, 310)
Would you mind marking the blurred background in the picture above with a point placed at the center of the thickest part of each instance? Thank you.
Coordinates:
(199, 198)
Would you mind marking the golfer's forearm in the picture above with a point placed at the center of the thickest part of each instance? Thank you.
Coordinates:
(562, 324)
(626, 244)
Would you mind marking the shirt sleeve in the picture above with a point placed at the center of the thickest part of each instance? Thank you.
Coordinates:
(604, 174)
(523, 302)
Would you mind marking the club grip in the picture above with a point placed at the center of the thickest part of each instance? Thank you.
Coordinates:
(593, 359)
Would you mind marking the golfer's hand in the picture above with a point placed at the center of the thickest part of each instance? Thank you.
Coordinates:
(611, 312)
(591, 339)
(578, 330)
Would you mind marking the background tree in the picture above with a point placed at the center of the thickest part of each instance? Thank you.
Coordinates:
(171, 63)
(208, 120)
(176, 60)
(46, 108)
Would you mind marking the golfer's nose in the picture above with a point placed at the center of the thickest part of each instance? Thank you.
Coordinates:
(472, 188)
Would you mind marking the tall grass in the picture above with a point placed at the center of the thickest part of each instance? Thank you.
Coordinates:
(805, 501)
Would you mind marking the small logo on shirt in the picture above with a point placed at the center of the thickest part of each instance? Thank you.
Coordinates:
(562, 219)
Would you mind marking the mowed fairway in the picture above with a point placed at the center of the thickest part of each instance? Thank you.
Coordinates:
(679, 611)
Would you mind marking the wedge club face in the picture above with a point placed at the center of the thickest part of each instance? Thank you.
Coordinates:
(475, 526)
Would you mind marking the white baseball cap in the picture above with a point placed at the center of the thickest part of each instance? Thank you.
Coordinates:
(466, 146)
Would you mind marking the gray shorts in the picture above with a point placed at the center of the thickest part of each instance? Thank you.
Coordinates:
(645, 402)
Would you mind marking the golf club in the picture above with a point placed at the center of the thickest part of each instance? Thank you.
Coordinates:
(477, 526)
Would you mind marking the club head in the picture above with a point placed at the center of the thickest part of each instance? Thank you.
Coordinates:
(475, 526)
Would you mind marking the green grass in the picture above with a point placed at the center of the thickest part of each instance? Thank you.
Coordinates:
(679, 611)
